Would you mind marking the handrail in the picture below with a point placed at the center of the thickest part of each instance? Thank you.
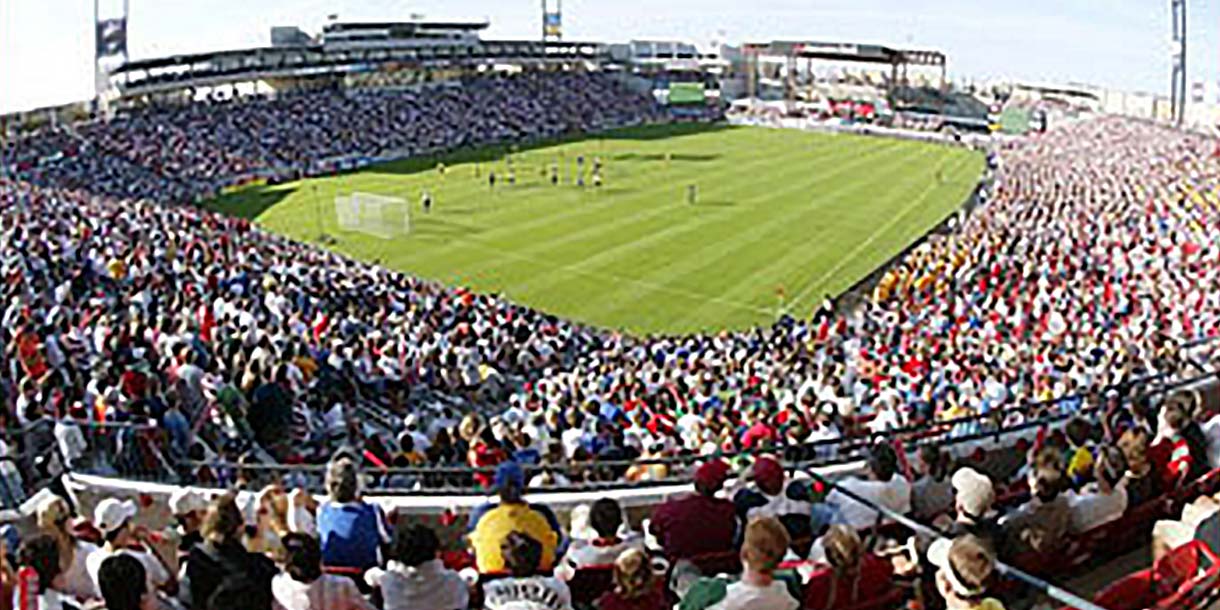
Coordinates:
(839, 460)
(1059, 593)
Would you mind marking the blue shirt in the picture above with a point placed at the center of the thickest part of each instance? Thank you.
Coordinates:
(351, 534)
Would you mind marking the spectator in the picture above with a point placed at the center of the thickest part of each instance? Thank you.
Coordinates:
(1105, 499)
(41, 552)
(1173, 450)
(415, 578)
(525, 588)
(303, 586)
(884, 487)
(770, 495)
(491, 524)
(932, 493)
(698, 523)
(352, 531)
(964, 567)
(124, 585)
(855, 575)
(606, 519)
(1080, 452)
(1138, 480)
(1040, 525)
(54, 519)
(188, 509)
(222, 563)
(113, 519)
(973, 497)
(271, 521)
(636, 586)
(766, 542)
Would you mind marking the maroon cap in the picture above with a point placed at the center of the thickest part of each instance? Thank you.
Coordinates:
(768, 472)
(711, 474)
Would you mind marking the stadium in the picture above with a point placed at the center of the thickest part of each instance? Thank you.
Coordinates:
(396, 314)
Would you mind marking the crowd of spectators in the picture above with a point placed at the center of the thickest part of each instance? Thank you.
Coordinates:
(197, 148)
(1092, 261)
(759, 537)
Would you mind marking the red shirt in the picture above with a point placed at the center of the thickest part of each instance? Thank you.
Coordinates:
(874, 581)
(486, 456)
(758, 434)
(694, 525)
(654, 601)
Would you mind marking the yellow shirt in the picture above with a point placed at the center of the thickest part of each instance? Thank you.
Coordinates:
(496, 524)
(989, 604)
(117, 268)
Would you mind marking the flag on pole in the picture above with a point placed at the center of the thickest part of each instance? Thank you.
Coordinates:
(112, 37)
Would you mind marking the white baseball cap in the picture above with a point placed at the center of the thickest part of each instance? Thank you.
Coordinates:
(185, 501)
(974, 491)
(111, 514)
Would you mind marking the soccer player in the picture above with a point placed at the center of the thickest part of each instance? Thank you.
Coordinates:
(491, 180)
(512, 176)
(440, 168)
(425, 200)
(554, 174)
(597, 179)
(691, 193)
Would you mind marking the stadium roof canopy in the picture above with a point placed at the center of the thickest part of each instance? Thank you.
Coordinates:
(835, 51)
(164, 74)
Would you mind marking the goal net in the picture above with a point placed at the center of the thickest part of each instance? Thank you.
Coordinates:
(376, 215)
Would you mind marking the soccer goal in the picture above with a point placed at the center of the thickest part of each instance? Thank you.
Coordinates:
(377, 215)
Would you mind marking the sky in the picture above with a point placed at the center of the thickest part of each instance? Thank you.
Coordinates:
(46, 45)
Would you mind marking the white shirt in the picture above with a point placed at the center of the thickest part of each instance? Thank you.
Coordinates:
(49, 600)
(71, 440)
(894, 494)
(328, 592)
(538, 593)
(743, 596)
(584, 553)
(155, 573)
(1091, 508)
(77, 580)
(428, 585)
(1211, 431)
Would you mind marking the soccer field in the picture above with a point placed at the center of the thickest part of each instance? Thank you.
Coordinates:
(776, 212)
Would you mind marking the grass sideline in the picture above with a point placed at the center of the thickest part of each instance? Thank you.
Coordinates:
(777, 212)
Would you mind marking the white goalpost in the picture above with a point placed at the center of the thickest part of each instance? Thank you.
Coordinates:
(376, 215)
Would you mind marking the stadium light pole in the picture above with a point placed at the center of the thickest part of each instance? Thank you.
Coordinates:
(1177, 87)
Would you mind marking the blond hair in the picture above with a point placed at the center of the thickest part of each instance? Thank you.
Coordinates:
(633, 575)
(844, 551)
(52, 517)
(1134, 445)
(766, 542)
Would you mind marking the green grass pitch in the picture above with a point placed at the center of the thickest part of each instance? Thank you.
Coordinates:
(777, 211)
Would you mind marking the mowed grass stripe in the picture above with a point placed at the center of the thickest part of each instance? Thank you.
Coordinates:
(843, 211)
(781, 207)
(836, 205)
(598, 228)
(620, 248)
(734, 253)
(622, 215)
(896, 223)
(728, 234)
